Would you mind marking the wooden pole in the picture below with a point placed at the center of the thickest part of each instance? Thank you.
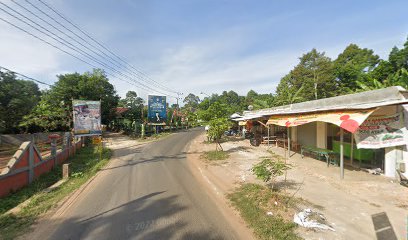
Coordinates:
(341, 154)
(352, 149)
(288, 142)
(268, 136)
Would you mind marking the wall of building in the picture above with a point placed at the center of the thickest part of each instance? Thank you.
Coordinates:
(306, 134)
(321, 135)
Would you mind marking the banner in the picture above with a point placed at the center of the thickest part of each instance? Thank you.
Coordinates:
(382, 131)
(157, 110)
(87, 117)
(348, 120)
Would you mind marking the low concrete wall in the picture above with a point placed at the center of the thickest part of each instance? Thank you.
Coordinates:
(27, 165)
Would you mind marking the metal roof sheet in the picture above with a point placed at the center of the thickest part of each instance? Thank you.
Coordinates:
(363, 100)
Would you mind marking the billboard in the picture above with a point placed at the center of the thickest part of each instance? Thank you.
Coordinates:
(157, 114)
(87, 117)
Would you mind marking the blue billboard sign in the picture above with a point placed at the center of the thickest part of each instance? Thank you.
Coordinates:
(157, 110)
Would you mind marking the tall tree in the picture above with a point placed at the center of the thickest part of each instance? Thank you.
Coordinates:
(286, 93)
(17, 98)
(352, 65)
(316, 73)
(134, 104)
(393, 72)
(191, 102)
(54, 111)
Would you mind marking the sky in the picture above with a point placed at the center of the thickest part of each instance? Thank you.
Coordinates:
(194, 46)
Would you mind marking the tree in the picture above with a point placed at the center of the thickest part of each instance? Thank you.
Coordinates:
(269, 169)
(54, 111)
(217, 128)
(400, 78)
(191, 102)
(286, 93)
(134, 104)
(316, 73)
(17, 98)
(389, 73)
(352, 65)
(383, 70)
(215, 111)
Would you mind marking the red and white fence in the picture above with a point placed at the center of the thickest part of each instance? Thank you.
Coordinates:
(28, 163)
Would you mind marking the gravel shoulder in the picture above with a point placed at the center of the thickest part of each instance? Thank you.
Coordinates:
(347, 204)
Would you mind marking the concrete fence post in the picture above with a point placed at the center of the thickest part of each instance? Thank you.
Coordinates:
(53, 138)
(65, 170)
(31, 162)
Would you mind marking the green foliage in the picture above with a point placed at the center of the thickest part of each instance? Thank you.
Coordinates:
(215, 111)
(215, 155)
(286, 93)
(268, 169)
(191, 102)
(315, 72)
(354, 65)
(217, 128)
(134, 104)
(251, 200)
(17, 99)
(54, 111)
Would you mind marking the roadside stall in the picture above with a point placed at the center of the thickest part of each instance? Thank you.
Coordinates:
(365, 130)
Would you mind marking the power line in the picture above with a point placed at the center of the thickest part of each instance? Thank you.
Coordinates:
(70, 46)
(101, 45)
(30, 78)
(59, 30)
(72, 55)
(66, 43)
(109, 58)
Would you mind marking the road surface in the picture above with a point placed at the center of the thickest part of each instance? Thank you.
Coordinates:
(147, 192)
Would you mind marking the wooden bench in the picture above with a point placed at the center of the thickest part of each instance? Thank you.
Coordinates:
(330, 156)
(271, 139)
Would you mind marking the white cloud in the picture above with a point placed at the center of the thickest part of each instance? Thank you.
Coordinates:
(204, 67)
(22, 53)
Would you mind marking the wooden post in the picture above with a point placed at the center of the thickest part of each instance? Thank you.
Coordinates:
(288, 131)
(268, 136)
(341, 154)
(352, 149)
(100, 149)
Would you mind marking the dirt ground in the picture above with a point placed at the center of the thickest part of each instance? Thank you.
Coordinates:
(347, 204)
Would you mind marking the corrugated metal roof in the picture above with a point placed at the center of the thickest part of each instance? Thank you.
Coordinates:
(363, 100)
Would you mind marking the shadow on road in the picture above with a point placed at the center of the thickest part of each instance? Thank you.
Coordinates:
(152, 216)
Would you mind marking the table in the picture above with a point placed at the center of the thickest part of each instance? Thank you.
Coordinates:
(321, 152)
(271, 139)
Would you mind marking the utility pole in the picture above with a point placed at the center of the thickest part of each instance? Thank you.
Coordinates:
(178, 108)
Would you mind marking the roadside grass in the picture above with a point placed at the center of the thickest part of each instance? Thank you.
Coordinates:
(84, 165)
(253, 201)
(215, 155)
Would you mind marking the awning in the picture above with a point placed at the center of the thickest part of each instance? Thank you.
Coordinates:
(349, 120)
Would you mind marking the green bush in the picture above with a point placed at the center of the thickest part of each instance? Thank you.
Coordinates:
(268, 169)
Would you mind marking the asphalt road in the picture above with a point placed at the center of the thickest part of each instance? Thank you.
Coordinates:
(148, 192)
